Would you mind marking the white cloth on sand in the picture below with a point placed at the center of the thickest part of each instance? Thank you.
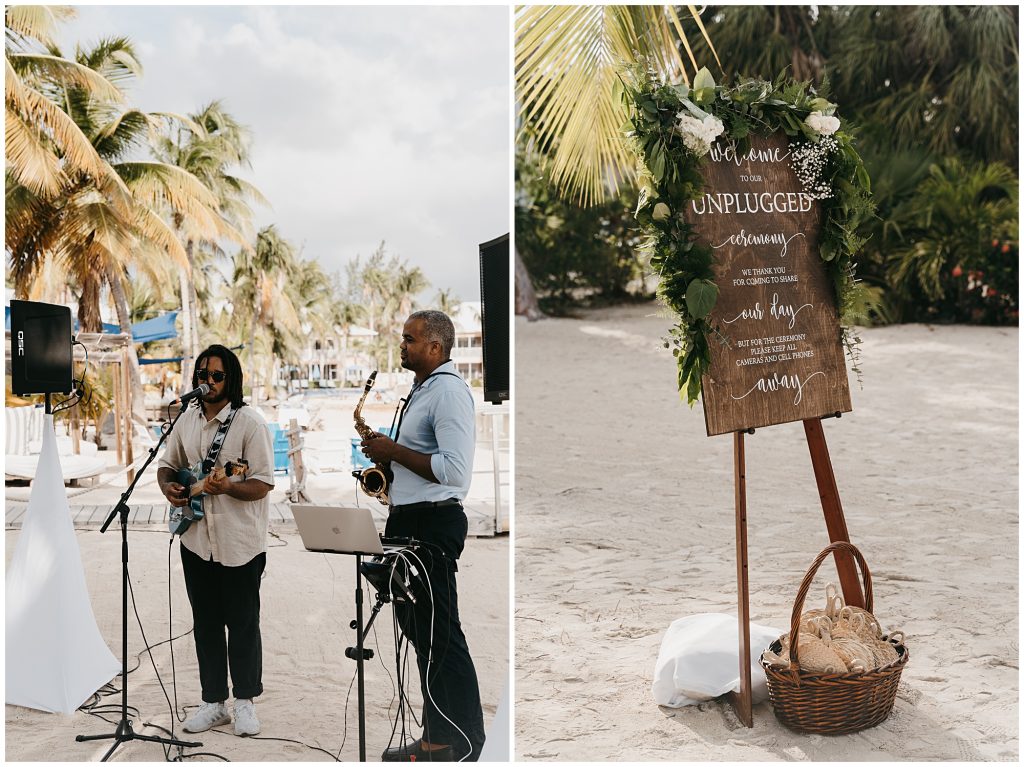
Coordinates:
(699, 660)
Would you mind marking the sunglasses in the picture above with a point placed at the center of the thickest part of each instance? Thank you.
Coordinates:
(217, 376)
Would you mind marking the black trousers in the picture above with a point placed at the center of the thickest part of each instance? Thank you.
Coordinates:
(447, 675)
(226, 598)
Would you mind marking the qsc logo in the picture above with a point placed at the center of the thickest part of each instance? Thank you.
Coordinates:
(21, 343)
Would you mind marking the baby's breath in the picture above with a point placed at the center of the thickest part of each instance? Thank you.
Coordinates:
(810, 162)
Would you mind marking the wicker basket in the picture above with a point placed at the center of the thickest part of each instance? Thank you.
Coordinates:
(831, 704)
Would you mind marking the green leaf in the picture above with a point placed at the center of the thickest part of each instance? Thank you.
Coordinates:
(700, 298)
(658, 162)
(693, 388)
(661, 212)
(703, 79)
(682, 90)
(704, 95)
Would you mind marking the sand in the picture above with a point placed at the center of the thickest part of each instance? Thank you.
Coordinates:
(307, 603)
(625, 522)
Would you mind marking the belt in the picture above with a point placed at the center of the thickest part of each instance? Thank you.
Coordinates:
(425, 506)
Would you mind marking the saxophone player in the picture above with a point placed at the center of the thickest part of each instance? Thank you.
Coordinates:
(432, 462)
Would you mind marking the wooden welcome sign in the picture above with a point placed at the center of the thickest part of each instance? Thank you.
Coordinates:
(784, 358)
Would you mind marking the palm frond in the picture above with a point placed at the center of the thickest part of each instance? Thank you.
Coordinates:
(37, 22)
(31, 158)
(36, 110)
(156, 231)
(128, 129)
(567, 61)
(67, 73)
(112, 57)
(154, 183)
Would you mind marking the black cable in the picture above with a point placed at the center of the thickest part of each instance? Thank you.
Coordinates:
(203, 753)
(344, 716)
(148, 649)
(170, 640)
(282, 544)
(297, 742)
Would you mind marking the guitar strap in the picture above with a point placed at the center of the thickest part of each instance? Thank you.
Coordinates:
(218, 441)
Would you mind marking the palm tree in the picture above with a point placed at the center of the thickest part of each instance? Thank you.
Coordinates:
(446, 301)
(42, 143)
(567, 62)
(260, 295)
(406, 283)
(99, 226)
(209, 145)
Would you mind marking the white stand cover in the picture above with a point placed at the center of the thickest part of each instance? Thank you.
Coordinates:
(55, 656)
(700, 660)
(497, 746)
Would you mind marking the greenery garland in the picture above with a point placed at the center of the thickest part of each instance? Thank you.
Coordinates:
(672, 127)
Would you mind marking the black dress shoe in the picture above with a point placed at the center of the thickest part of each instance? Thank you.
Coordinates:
(414, 752)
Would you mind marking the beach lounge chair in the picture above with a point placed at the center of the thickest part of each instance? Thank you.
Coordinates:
(24, 440)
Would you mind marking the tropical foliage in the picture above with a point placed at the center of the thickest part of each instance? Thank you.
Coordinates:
(567, 59)
(932, 92)
(107, 203)
(575, 255)
(386, 286)
(92, 212)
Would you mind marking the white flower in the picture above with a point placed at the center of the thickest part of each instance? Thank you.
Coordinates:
(826, 125)
(699, 135)
(713, 128)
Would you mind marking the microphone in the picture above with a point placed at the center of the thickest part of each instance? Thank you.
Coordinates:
(200, 391)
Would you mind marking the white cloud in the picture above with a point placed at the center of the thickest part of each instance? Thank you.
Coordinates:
(368, 123)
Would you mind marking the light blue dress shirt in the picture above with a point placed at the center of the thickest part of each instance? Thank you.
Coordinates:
(440, 422)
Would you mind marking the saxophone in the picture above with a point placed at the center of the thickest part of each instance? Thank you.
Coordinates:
(374, 480)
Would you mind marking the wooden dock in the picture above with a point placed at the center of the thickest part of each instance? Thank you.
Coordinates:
(89, 517)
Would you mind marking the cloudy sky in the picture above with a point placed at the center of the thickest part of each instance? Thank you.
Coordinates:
(368, 123)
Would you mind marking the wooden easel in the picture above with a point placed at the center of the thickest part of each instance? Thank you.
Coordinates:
(835, 522)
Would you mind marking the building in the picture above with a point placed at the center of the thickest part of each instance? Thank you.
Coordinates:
(468, 353)
(340, 360)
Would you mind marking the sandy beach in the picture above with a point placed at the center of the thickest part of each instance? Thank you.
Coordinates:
(307, 603)
(625, 522)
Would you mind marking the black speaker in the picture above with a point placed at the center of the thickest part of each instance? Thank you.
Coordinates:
(494, 311)
(40, 348)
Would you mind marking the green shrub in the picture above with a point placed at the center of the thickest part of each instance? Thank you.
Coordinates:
(958, 222)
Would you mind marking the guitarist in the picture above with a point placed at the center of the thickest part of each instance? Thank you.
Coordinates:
(223, 554)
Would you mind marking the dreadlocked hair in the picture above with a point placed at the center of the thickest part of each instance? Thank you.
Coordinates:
(232, 368)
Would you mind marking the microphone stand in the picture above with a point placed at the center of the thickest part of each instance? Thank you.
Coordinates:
(360, 654)
(124, 731)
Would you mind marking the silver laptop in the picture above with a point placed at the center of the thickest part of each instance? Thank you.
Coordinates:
(337, 529)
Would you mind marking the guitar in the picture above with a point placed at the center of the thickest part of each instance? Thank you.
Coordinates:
(194, 480)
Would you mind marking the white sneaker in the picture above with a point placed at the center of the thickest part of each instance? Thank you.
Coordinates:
(246, 722)
(209, 715)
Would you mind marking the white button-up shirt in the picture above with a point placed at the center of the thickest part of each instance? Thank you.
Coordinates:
(440, 422)
(231, 531)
